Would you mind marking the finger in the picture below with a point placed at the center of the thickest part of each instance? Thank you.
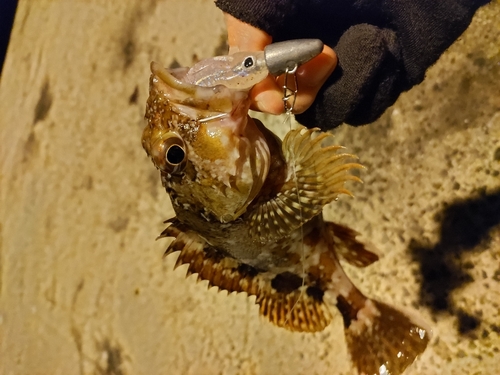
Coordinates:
(267, 96)
(244, 37)
(310, 78)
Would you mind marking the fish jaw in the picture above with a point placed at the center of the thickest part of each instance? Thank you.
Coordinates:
(227, 157)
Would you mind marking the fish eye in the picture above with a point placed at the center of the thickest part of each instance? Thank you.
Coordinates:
(175, 154)
(169, 153)
(248, 62)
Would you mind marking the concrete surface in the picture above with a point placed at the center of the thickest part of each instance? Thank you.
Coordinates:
(83, 287)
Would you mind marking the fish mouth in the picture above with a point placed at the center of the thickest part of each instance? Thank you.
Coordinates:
(208, 103)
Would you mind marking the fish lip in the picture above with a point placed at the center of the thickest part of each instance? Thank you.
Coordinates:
(288, 55)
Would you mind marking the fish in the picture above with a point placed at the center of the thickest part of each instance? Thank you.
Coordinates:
(248, 210)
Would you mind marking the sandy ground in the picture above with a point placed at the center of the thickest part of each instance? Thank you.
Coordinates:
(83, 287)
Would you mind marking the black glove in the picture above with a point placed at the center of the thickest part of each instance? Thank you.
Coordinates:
(383, 47)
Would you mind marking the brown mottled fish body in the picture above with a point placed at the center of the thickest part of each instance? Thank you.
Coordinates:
(249, 213)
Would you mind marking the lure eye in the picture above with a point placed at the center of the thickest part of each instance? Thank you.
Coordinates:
(169, 153)
(248, 63)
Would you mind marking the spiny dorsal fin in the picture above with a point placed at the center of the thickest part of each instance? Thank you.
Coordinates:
(221, 271)
(295, 310)
(315, 177)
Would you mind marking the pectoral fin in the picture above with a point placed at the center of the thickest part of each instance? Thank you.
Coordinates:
(316, 174)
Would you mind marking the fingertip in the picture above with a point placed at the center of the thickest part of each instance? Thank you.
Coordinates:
(266, 97)
(316, 72)
(327, 51)
(304, 101)
(268, 102)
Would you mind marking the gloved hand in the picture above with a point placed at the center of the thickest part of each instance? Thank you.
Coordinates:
(267, 95)
(383, 48)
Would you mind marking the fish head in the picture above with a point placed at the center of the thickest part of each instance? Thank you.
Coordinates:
(212, 156)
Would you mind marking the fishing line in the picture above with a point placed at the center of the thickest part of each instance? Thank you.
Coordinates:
(289, 98)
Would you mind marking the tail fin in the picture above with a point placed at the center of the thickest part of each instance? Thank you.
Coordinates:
(383, 340)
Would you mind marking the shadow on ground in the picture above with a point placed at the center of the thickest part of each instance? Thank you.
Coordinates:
(465, 227)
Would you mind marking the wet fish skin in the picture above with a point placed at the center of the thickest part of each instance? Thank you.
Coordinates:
(249, 217)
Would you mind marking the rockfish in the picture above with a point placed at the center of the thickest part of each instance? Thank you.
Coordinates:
(249, 209)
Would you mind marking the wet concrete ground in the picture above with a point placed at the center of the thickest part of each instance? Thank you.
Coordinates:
(83, 287)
